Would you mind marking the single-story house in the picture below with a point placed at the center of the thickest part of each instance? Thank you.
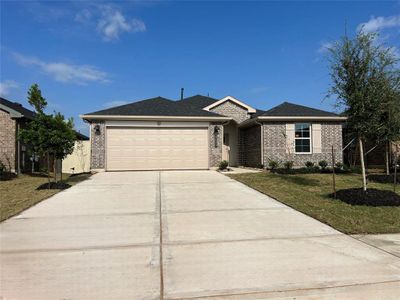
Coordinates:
(199, 132)
(14, 155)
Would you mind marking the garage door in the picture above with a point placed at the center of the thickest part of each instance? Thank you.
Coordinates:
(156, 148)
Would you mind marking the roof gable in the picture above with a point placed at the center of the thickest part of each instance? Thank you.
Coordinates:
(232, 99)
(16, 109)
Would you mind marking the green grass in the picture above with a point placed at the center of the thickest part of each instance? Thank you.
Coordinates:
(308, 193)
(20, 193)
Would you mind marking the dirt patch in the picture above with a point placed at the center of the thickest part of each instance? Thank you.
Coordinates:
(372, 197)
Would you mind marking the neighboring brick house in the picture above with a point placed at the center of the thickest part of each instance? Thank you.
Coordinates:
(198, 132)
(13, 117)
(14, 155)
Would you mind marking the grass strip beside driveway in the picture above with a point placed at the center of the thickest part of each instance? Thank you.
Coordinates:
(308, 193)
(21, 192)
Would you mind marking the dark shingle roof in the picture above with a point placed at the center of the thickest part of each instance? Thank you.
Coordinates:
(287, 109)
(19, 108)
(198, 101)
(160, 106)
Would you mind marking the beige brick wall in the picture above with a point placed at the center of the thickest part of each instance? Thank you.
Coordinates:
(98, 146)
(215, 144)
(275, 144)
(250, 146)
(7, 140)
(231, 109)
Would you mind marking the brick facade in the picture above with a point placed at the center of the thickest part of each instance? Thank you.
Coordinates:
(7, 141)
(275, 144)
(98, 154)
(250, 147)
(215, 144)
(98, 146)
(231, 109)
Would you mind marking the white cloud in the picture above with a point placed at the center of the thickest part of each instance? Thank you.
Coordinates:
(113, 23)
(114, 103)
(63, 72)
(83, 16)
(324, 47)
(379, 23)
(6, 86)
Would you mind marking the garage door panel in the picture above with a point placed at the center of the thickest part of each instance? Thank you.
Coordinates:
(157, 148)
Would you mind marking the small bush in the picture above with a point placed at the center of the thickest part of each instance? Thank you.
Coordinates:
(288, 164)
(309, 164)
(223, 165)
(273, 165)
(339, 165)
(323, 164)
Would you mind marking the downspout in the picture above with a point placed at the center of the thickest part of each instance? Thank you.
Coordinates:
(262, 142)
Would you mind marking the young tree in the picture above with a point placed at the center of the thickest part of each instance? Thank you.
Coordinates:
(355, 69)
(48, 134)
(389, 109)
(35, 98)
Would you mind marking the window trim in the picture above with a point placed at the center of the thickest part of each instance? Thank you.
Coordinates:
(303, 138)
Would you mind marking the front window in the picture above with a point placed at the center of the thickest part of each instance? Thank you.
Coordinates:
(302, 138)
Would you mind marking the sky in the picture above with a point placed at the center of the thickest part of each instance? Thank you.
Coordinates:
(87, 56)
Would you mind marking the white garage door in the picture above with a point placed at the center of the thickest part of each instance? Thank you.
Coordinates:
(156, 148)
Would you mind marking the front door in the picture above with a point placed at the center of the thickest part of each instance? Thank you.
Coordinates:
(226, 149)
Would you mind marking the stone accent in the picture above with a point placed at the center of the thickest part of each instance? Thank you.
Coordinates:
(215, 144)
(98, 146)
(231, 109)
(250, 146)
(7, 141)
(275, 144)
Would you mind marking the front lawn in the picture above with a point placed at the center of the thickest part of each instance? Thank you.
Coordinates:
(21, 193)
(308, 193)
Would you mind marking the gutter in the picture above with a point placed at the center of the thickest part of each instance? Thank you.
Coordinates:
(154, 118)
(290, 118)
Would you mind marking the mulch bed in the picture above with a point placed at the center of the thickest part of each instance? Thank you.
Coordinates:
(54, 186)
(372, 197)
(383, 178)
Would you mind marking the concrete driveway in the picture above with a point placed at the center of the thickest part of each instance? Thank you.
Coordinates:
(105, 238)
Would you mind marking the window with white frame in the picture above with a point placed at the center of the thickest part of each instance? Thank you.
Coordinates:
(302, 138)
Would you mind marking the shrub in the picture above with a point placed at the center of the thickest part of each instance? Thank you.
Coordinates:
(323, 164)
(288, 164)
(273, 165)
(223, 165)
(339, 165)
(309, 164)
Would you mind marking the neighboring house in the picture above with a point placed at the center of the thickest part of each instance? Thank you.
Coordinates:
(198, 132)
(79, 160)
(14, 155)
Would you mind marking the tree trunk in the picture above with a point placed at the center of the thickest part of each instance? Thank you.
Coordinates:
(387, 158)
(362, 164)
(48, 169)
(61, 170)
(54, 169)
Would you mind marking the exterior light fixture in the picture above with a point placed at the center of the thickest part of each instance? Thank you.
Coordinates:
(97, 129)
